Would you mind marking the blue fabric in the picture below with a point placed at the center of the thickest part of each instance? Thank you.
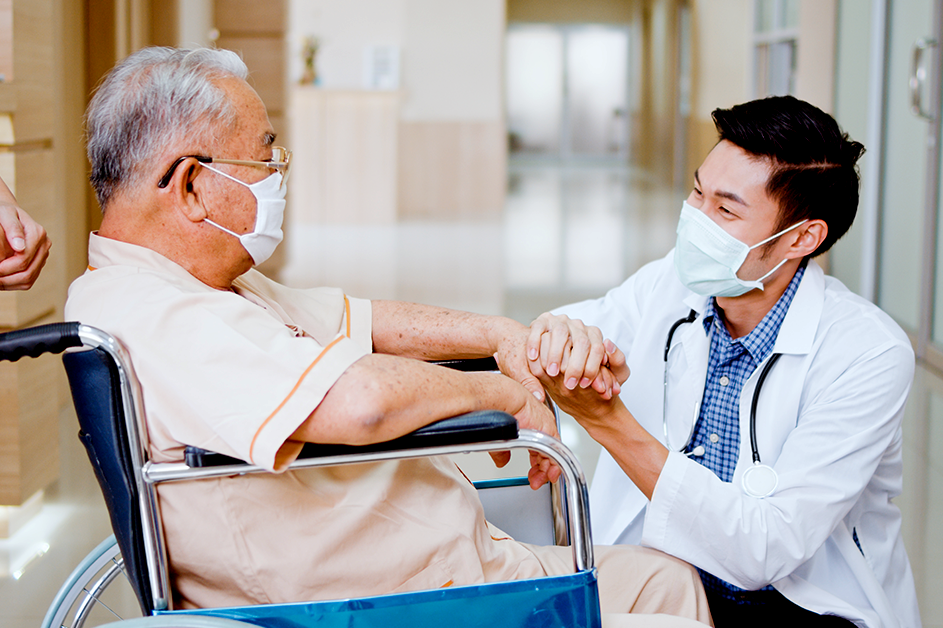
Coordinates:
(730, 364)
(570, 600)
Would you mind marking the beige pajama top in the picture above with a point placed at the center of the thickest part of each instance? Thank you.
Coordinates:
(237, 372)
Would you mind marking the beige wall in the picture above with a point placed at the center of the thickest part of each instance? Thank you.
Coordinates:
(451, 145)
(721, 67)
(815, 78)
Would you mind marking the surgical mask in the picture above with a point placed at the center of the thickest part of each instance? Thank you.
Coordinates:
(707, 258)
(270, 211)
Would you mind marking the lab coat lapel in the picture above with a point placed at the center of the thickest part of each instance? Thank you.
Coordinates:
(779, 396)
(687, 371)
(797, 332)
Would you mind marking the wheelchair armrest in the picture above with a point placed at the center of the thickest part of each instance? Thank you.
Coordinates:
(474, 427)
(470, 365)
(35, 341)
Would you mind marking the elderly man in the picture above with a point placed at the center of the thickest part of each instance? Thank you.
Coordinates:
(192, 191)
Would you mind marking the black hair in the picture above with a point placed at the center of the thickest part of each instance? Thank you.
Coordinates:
(814, 172)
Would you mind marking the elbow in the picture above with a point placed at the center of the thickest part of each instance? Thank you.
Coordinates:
(367, 414)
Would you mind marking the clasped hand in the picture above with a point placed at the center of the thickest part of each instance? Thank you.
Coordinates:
(575, 355)
(24, 247)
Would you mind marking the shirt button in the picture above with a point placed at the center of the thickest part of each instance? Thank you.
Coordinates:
(724, 380)
(714, 438)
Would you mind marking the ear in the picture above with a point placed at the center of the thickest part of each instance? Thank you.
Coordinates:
(187, 197)
(809, 236)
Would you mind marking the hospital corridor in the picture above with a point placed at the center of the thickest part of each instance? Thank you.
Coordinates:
(502, 157)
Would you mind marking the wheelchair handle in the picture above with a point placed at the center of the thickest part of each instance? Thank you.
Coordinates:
(35, 341)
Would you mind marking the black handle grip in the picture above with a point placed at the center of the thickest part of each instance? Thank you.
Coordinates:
(470, 365)
(35, 341)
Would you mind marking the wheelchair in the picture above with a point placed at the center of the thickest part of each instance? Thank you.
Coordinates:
(107, 399)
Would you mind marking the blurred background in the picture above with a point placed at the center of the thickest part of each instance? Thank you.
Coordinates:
(499, 156)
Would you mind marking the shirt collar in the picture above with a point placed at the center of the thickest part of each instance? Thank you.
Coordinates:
(761, 340)
(104, 252)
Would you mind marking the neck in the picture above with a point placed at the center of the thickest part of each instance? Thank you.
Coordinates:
(742, 314)
(198, 257)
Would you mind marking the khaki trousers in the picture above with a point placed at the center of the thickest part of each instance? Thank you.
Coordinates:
(638, 586)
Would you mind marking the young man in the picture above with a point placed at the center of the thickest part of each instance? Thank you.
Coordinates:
(759, 434)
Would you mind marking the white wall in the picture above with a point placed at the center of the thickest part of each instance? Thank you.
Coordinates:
(452, 60)
(195, 20)
(450, 50)
(344, 28)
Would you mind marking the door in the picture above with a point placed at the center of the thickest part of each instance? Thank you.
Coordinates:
(567, 90)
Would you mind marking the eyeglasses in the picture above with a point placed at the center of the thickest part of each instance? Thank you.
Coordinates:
(281, 161)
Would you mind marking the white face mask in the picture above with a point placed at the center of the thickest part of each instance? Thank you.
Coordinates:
(270, 211)
(707, 258)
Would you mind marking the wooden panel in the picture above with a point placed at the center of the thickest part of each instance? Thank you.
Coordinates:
(570, 11)
(29, 428)
(164, 30)
(265, 58)
(33, 68)
(344, 145)
(31, 186)
(241, 17)
(452, 169)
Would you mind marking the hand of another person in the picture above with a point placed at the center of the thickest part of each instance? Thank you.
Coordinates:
(584, 404)
(534, 415)
(24, 248)
(559, 346)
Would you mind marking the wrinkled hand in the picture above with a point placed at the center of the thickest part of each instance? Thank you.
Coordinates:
(560, 346)
(24, 248)
(534, 415)
(512, 361)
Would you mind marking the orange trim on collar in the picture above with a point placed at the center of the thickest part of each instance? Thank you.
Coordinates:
(293, 391)
(90, 267)
(347, 313)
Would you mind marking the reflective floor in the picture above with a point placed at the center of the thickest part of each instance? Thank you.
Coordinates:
(567, 234)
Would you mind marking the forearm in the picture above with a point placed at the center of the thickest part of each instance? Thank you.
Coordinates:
(382, 397)
(610, 423)
(641, 456)
(426, 332)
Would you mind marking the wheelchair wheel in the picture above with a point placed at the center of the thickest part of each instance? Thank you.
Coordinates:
(97, 592)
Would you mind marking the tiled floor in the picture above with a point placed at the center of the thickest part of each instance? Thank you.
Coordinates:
(567, 234)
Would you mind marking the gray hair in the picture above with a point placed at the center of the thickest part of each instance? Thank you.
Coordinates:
(156, 97)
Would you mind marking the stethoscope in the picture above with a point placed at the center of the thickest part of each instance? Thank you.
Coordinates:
(758, 481)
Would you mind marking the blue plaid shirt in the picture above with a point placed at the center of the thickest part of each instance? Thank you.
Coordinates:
(730, 364)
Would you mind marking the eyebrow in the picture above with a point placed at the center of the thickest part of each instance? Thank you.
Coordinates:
(722, 193)
(268, 139)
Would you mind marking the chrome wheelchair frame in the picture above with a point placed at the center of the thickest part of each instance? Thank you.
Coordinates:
(152, 587)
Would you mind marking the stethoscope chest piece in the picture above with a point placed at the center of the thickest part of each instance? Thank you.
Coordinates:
(760, 480)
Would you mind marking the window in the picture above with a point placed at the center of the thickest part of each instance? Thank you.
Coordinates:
(775, 39)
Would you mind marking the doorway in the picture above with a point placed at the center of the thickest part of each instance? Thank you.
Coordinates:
(567, 91)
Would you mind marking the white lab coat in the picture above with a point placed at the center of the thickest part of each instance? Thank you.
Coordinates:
(828, 420)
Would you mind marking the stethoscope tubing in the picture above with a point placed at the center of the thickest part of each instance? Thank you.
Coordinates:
(763, 474)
